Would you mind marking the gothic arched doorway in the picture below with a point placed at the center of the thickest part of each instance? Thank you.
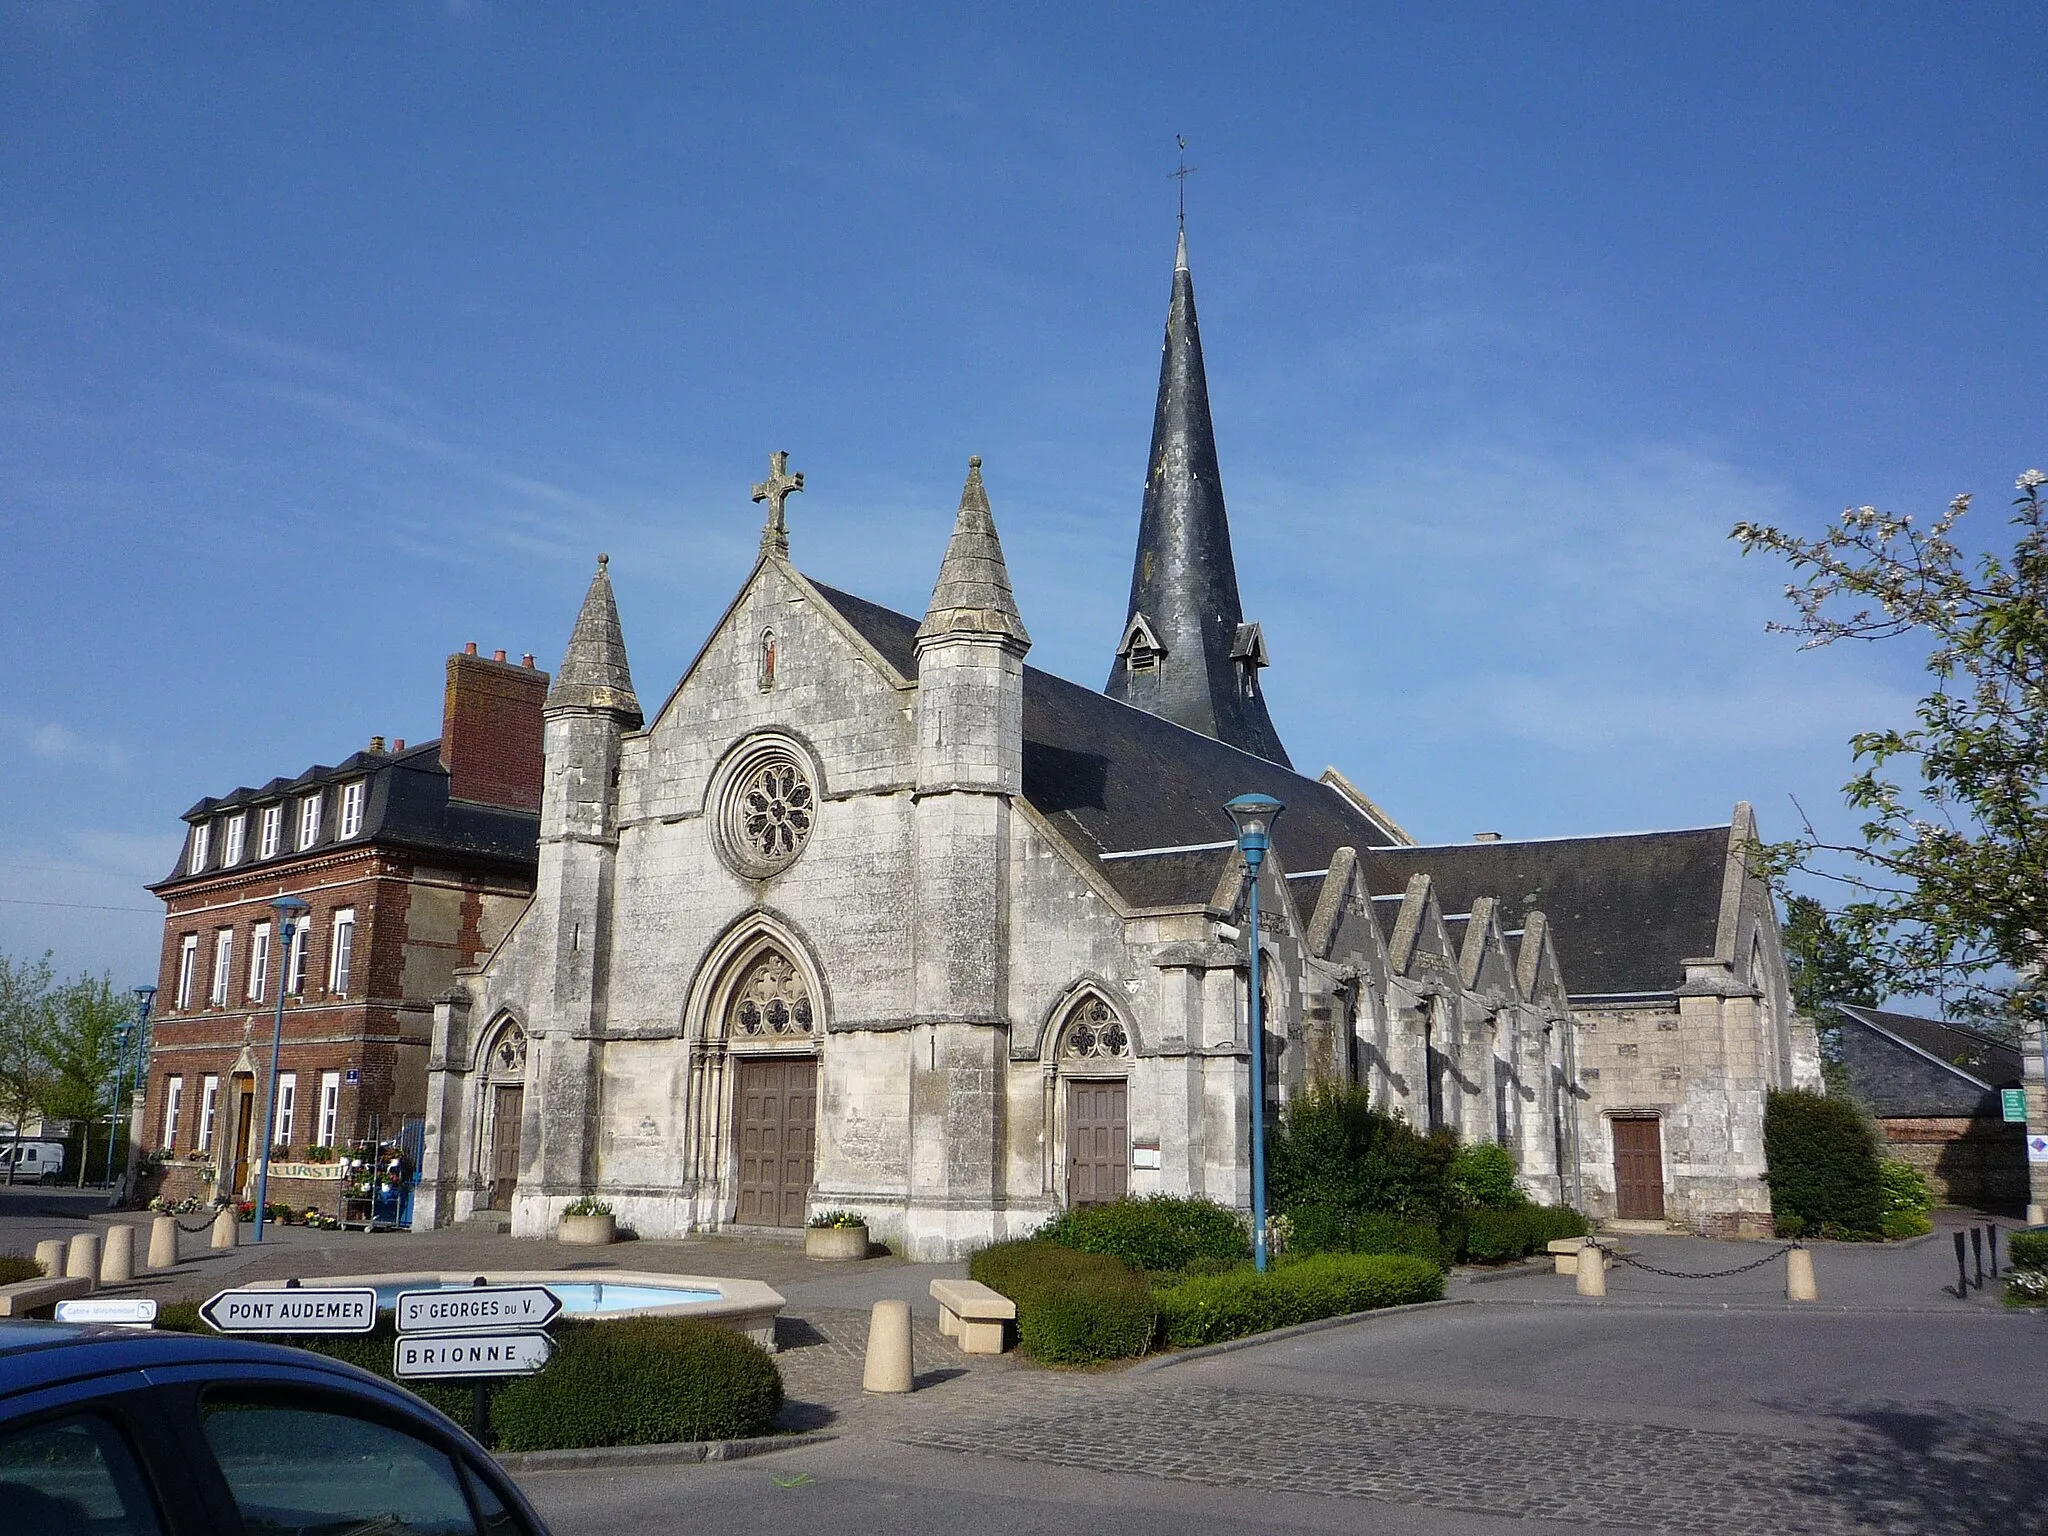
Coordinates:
(1093, 1059)
(769, 1022)
(504, 1105)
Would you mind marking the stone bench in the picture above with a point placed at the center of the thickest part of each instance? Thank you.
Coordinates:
(1566, 1251)
(973, 1315)
(26, 1296)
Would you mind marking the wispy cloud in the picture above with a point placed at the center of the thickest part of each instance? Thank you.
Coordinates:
(55, 742)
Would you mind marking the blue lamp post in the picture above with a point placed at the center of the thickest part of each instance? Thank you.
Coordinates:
(130, 1031)
(290, 910)
(1255, 815)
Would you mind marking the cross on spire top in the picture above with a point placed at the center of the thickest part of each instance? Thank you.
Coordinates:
(1182, 176)
(775, 490)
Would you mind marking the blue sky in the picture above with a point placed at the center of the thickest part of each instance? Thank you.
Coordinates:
(334, 337)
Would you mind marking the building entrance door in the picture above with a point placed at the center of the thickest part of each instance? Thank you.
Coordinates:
(1638, 1169)
(245, 1126)
(508, 1102)
(1098, 1140)
(777, 1103)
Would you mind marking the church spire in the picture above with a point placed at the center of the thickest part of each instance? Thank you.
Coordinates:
(1186, 652)
(594, 675)
(973, 594)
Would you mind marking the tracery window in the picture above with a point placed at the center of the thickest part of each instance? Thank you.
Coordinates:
(767, 810)
(771, 1001)
(508, 1056)
(1094, 1031)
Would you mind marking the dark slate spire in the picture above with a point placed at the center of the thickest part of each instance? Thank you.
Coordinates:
(973, 593)
(1186, 652)
(594, 674)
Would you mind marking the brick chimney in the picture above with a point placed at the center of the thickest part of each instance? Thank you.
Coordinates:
(490, 730)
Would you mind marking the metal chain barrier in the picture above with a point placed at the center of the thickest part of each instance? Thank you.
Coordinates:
(204, 1226)
(1712, 1274)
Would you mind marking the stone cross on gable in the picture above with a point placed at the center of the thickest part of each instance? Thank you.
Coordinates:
(775, 490)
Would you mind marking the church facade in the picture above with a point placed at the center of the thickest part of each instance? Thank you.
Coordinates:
(872, 915)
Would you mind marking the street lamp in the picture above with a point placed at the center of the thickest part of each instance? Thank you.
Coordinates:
(122, 1035)
(1255, 815)
(137, 1036)
(289, 910)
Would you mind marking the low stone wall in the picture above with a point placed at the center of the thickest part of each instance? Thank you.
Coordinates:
(1748, 1224)
(1977, 1161)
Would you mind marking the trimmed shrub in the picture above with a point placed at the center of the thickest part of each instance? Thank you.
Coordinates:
(1499, 1237)
(2028, 1249)
(1907, 1199)
(1332, 1149)
(1209, 1309)
(1483, 1177)
(1073, 1308)
(1822, 1167)
(1325, 1229)
(14, 1266)
(1159, 1232)
(641, 1381)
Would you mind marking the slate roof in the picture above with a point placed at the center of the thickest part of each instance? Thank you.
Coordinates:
(1625, 911)
(1990, 1062)
(405, 805)
(1115, 779)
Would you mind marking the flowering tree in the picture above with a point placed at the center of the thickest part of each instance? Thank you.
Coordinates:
(1946, 888)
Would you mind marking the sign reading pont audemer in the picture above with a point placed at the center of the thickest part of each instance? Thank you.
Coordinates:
(299, 1310)
(492, 1307)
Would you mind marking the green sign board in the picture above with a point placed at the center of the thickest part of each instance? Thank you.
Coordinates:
(2015, 1102)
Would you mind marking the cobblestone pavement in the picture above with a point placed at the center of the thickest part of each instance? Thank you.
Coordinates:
(1906, 1473)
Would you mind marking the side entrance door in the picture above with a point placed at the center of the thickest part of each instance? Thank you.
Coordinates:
(508, 1102)
(1638, 1169)
(1098, 1140)
(245, 1127)
(777, 1099)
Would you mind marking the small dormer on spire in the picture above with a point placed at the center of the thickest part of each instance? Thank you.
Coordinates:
(973, 597)
(594, 675)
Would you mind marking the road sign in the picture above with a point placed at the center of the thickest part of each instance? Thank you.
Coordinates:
(107, 1309)
(470, 1354)
(2014, 1103)
(301, 1310)
(486, 1308)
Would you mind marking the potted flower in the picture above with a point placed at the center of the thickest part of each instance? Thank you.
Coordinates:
(837, 1235)
(587, 1220)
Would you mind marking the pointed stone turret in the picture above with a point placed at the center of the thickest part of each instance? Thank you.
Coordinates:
(1186, 652)
(972, 596)
(594, 673)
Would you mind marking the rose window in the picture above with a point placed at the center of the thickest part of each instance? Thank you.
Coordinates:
(772, 1000)
(767, 810)
(1096, 1031)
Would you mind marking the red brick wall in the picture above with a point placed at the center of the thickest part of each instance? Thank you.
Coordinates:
(491, 731)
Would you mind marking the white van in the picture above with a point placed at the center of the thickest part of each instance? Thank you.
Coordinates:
(40, 1161)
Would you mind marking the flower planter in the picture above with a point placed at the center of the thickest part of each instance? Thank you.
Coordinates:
(836, 1243)
(587, 1229)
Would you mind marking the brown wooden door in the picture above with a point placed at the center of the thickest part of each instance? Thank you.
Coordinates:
(777, 1099)
(1638, 1170)
(508, 1102)
(245, 1126)
(1098, 1141)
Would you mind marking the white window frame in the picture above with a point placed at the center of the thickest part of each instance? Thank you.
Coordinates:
(309, 821)
(351, 813)
(209, 1111)
(174, 1100)
(188, 968)
(259, 962)
(234, 833)
(287, 1103)
(341, 953)
(295, 958)
(330, 1108)
(201, 836)
(223, 967)
(270, 833)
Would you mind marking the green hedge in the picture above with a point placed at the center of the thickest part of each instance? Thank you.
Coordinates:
(1330, 1229)
(1073, 1308)
(1498, 1237)
(1482, 1176)
(15, 1266)
(1334, 1150)
(628, 1381)
(1160, 1233)
(2028, 1249)
(1822, 1167)
(1209, 1309)
(641, 1381)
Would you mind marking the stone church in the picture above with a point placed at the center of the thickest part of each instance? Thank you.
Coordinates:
(869, 914)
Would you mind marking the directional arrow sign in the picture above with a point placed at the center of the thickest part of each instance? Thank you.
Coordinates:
(470, 1354)
(486, 1308)
(107, 1309)
(303, 1310)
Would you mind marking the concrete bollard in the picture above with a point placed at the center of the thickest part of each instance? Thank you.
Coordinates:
(117, 1259)
(227, 1231)
(163, 1242)
(50, 1257)
(1799, 1281)
(888, 1363)
(1592, 1276)
(82, 1260)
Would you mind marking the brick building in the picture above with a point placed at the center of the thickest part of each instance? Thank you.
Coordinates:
(414, 861)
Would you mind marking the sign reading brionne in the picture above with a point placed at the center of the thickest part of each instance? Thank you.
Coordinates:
(490, 1308)
(301, 1310)
(470, 1354)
